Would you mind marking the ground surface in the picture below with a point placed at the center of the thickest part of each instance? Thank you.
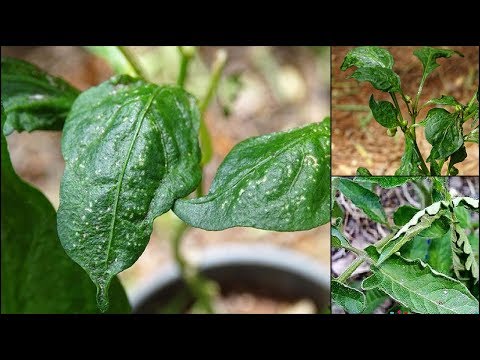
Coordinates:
(283, 88)
(354, 145)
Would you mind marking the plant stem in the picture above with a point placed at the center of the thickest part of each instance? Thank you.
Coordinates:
(205, 139)
(406, 102)
(350, 269)
(417, 97)
(200, 288)
(133, 62)
(379, 244)
(408, 134)
(186, 53)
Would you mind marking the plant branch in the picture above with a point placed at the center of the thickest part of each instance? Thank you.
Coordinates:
(350, 269)
(417, 97)
(186, 53)
(201, 288)
(132, 61)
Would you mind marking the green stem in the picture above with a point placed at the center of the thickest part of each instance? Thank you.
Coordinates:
(132, 61)
(406, 102)
(408, 134)
(350, 269)
(201, 288)
(417, 97)
(205, 138)
(186, 53)
(217, 70)
(379, 244)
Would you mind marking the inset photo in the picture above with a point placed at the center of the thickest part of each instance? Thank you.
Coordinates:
(405, 110)
(404, 245)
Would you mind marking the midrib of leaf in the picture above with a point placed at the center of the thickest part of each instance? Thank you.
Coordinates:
(262, 162)
(419, 294)
(122, 174)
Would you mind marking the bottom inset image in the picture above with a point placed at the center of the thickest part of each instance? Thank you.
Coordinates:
(404, 245)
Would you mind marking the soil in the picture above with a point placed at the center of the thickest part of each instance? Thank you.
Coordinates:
(362, 232)
(266, 103)
(354, 145)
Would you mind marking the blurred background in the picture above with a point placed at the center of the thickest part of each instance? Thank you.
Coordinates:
(362, 232)
(358, 140)
(263, 89)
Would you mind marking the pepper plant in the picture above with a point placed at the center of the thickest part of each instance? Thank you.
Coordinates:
(444, 129)
(427, 263)
(133, 151)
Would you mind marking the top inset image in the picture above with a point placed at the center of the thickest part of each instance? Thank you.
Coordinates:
(405, 110)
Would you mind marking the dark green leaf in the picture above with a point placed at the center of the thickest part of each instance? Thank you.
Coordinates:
(279, 181)
(428, 57)
(350, 299)
(361, 171)
(337, 214)
(33, 99)
(338, 240)
(417, 286)
(439, 188)
(440, 254)
(364, 199)
(381, 78)
(403, 214)
(410, 161)
(37, 275)
(373, 299)
(367, 56)
(472, 136)
(417, 248)
(384, 113)
(131, 150)
(462, 216)
(445, 100)
(385, 182)
(444, 131)
(457, 157)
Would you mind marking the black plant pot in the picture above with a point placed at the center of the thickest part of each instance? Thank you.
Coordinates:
(258, 269)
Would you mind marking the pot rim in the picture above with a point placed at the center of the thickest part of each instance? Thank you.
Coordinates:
(216, 256)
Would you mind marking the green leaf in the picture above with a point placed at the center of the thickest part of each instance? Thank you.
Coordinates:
(37, 275)
(386, 182)
(361, 171)
(410, 161)
(115, 58)
(444, 131)
(465, 266)
(364, 199)
(279, 181)
(373, 299)
(417, 286)
(417, 248)
(439, 188)
(403, 214)
(337, 213)
(462, 216)
(457, 157)
(338, 240)
(367, 56)
(422, 220)
(384, 113)
(472, 136)
(33, 99)
(381, 78)
(428, 57)
(445, 100)
(131, 149)
(350, 299)
(440, 254)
